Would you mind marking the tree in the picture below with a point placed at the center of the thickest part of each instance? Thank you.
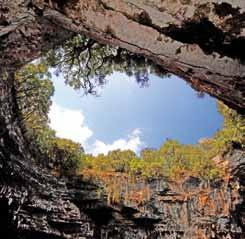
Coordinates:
(168, 32)
(198, 43)
(120, 159)
(234, 126)
(173, 160)
(66, 156)
(231, 135)
(34, 90)
(85, 64)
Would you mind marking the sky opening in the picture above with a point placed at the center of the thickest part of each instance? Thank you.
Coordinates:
(126, 116)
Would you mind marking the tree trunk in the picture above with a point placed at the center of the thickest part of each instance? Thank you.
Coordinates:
(201, 42)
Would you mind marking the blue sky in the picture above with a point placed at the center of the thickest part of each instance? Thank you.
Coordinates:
(127, 116)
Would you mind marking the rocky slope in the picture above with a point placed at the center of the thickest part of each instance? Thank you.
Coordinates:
(35, 204)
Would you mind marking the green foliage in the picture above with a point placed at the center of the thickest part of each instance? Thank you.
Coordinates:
(234, 126)
(136, 166)
(175, 160)
(34, 90)
(115, 161)
(232, 133)
(172, 160)
(120, 159)
(66, 154)
(86, 63)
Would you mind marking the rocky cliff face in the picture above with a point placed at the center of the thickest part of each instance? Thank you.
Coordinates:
(200, 41)
(187, 209)
(35, 204)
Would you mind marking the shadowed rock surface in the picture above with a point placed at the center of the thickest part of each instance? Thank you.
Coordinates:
(200, 41)
(35, 204)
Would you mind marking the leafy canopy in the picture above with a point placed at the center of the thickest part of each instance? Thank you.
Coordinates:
(86, 63)
(34, 90)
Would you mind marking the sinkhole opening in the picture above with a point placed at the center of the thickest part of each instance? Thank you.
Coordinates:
(113, 117)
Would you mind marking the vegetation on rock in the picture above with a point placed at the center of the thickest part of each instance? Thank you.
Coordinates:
(86, 63)
(195, 40)
(173, 160)
(34, 90)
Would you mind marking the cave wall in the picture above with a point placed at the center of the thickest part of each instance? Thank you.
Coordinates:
(35, 204)
(199, 41)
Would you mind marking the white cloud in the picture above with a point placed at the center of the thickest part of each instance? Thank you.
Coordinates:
(133, 142)
(70, 124)
(136, 132)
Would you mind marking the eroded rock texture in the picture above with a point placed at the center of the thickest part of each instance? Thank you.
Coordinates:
(35, 204)
(200, 41)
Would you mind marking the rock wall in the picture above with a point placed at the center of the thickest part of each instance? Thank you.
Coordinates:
(200, 41)
(35, 204)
